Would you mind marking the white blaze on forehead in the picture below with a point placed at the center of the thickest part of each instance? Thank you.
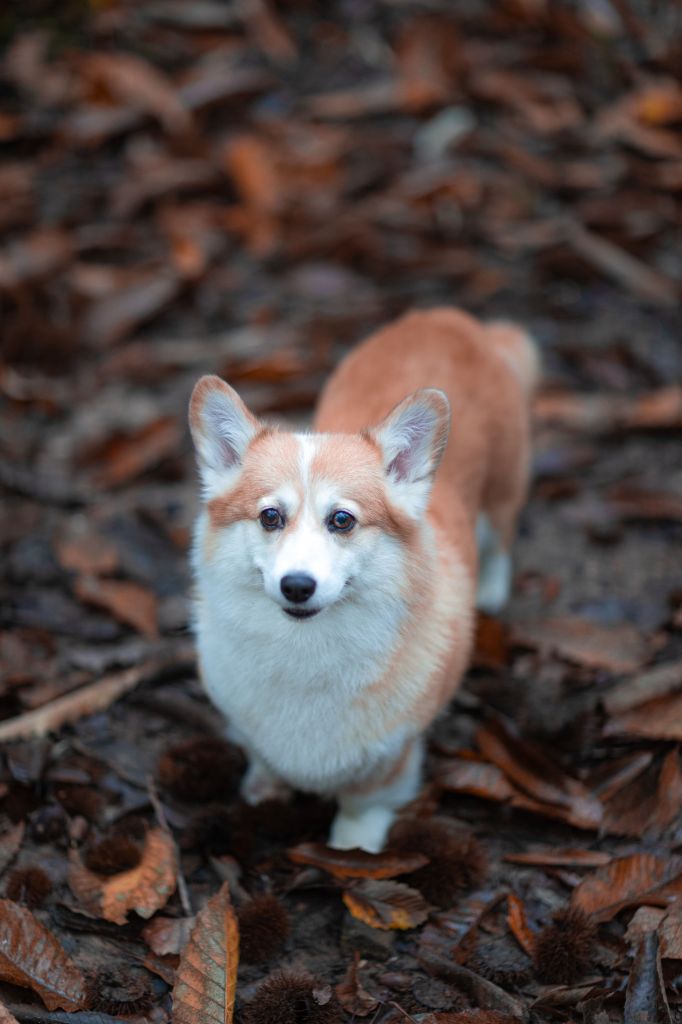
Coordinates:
(307, 546)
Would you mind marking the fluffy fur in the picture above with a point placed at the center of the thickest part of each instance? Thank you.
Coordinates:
(336, 703)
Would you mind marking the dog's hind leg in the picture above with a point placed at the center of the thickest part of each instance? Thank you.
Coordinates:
(367, 812)
(494, 568)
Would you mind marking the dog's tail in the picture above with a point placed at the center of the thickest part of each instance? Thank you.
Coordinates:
(518, 350)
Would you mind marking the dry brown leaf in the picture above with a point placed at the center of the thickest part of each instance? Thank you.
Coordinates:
(145, 888)
(654, 410)
(115, 315)
(128, 602)
(30, 956)
(356, 863)
(350, 993)
(206, 978)
(136, 83)
(123, 458)
(620, 648)
(530, 769)
(88, 553)
(518, 923)
(477, 778)
(168, 935)
(626, 881)
(658, 681)
(491, 643)
(385, 904)
(39, 255)
(670, 933)
(658, 719)
(561, 858)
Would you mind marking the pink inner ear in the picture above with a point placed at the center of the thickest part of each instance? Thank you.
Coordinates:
(415, 430)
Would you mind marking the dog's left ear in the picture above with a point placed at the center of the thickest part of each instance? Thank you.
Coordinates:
(412, 439)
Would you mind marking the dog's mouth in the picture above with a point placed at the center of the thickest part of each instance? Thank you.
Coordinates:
(301, 613)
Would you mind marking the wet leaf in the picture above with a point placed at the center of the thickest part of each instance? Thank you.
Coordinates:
(626, 881)
(30, 956)
(145, 888)
(478, 778)
(385, 904)
(356, 863)
(206, 978)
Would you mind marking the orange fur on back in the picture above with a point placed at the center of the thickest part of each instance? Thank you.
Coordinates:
(485, 464)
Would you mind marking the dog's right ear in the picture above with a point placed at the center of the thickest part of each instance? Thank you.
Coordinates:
(222, 428)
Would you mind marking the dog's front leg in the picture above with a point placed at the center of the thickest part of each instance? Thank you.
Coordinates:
(366, 812)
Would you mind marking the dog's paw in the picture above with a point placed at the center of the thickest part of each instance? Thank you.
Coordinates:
(367, 830)
(260, 784)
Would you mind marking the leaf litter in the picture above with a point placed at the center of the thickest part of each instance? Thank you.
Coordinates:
(248, 190)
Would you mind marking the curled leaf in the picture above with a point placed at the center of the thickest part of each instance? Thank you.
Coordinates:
(206, 978)
(386, 905)
(145, 888)
(356, 863)
(31, 956)
(624, 882)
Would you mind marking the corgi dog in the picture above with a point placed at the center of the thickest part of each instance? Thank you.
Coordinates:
(338, 570)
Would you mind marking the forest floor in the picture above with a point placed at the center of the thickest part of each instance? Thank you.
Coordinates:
(248, 190)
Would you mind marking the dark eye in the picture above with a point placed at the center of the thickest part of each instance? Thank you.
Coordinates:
(271, 519)
(340, 521)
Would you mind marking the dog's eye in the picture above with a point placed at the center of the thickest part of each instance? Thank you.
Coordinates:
(340, 521)
(271, 519)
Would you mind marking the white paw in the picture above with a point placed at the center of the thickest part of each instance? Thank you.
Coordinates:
(259, 784)
(366, 830)
(494, 584)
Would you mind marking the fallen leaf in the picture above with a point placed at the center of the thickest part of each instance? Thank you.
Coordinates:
(128, 602)
(353, 997)
(385, 904)
(491, 643)
(30, 956)
(114, 316)
(484, 993)
(356, 863)
(87, 700)
(88, 553)
(206, 978)
(10, 842)
(670, 933)
(605, 413)
(477, 778)
(125, 457)
(139, 84)
(166, 935)
(529, 768)
(518, 924)
(645, 998)
(626, 881)
(145, 888)
(561, 858)
(620, 648)
(658, 719)
(41, 254)
(658, 681)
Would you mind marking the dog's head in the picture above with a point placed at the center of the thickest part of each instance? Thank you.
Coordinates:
(312, 520)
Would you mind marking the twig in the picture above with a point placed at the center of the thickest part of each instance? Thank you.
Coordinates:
(163, 824)
(88, 699)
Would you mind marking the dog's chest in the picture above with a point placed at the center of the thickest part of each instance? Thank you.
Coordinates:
(298, 709)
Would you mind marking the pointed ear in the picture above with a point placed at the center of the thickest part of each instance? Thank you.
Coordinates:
(412, 439)
(222, 428)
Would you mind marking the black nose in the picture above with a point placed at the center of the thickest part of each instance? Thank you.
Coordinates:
(298, 587)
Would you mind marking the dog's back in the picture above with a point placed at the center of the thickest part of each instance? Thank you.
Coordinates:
(488, 373)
